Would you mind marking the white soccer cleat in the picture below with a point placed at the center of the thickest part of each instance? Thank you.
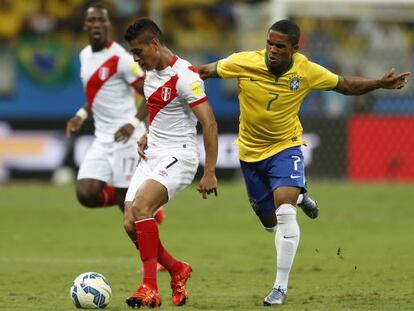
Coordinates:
(276, 297)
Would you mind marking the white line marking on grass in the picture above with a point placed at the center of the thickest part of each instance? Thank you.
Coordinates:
(69, 259)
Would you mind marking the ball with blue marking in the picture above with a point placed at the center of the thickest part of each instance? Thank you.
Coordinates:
(91, 290)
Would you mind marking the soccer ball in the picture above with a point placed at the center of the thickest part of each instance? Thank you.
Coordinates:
(91, 290)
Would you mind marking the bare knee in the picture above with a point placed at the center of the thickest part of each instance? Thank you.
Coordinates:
(269, 222)
(141, 208)
(128, 220)
(129, 225)
(286, 195)
(86, 195)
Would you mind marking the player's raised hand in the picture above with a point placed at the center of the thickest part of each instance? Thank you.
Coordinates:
(208, 185)
(391, 80)
(142, 145)
(73, 125)
(124, 133)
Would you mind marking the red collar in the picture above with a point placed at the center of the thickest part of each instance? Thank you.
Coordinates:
(173, 60)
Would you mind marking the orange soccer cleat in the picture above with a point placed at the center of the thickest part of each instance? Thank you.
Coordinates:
(144, 296)
(178, 286)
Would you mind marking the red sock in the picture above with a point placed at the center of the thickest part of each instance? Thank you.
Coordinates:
(159, 216)
(107, 196)
(169, 262)
(148, 239)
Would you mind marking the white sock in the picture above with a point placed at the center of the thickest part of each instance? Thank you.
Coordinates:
(287, 241)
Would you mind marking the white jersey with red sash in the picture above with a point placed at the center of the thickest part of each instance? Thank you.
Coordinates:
(170, 95)
(172, 153)
(107, 76)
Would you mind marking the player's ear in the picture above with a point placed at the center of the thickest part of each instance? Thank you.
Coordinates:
(156, 42)
(296, 47)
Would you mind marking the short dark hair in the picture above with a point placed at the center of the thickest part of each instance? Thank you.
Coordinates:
(96, 5)
(289, 28)
(145, 28)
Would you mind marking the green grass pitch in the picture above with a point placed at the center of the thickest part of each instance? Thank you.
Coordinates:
(358, 255)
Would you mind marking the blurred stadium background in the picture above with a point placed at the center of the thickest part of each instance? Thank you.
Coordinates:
(365, 138)
(359, 160)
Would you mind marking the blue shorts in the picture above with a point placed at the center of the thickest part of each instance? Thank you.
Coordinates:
(285, 168)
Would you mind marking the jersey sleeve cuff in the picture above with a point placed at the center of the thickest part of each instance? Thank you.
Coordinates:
(198, 102)
(337, 83)
(137, 79)
(216, 69)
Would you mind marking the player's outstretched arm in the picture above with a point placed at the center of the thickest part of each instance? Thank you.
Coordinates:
(204, 114)
(75, 123)
(207, 71)
(359, 85)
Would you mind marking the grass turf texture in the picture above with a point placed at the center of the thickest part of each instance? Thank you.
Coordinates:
(358, 255)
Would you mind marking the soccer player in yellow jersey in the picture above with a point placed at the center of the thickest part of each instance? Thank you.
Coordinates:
(272, 85)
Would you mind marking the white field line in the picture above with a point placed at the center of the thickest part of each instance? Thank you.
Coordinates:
(69, 260)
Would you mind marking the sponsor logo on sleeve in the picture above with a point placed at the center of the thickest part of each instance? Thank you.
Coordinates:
(135, 69)
(196, 88)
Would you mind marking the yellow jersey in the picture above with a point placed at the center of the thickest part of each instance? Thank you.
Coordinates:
(269, 104)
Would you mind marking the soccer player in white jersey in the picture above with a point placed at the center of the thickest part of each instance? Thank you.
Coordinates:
(176, 100)
(109, 76)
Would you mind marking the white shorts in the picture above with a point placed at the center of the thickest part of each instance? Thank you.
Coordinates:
(175, 171)
(113, 163)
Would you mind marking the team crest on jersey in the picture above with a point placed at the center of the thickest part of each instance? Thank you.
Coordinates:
(103, 73)
(165, 93)
(294, 84)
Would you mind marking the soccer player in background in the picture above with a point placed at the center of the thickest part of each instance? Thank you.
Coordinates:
(109, 76)
(272, 85)
(175, 98)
